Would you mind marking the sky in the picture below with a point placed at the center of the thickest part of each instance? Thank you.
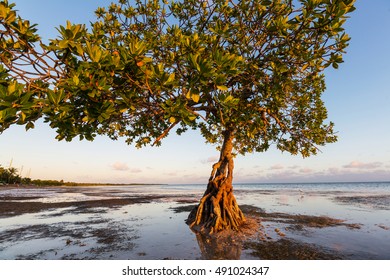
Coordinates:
(357, 98)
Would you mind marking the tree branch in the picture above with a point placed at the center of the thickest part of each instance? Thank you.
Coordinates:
(166, 131)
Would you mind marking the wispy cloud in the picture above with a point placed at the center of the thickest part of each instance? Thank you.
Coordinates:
(210, 160)
(135, 170)
(333, 170)
(362, 165)
(306, 170)
(120, 166)
(294, 167)
(276, 167)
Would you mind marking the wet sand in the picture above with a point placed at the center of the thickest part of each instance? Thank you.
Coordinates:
(148, 222)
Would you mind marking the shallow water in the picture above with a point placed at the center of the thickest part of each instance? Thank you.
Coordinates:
(141, 230)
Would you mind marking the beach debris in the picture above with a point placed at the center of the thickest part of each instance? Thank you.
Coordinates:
(382, 226)
(281, 234)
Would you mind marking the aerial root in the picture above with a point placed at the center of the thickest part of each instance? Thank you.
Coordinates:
(218, 210)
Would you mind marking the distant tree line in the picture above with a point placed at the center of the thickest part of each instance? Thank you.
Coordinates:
(11, 176)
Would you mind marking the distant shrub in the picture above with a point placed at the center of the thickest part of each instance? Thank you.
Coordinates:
(9, 176)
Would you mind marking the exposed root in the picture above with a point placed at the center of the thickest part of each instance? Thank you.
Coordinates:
(218, 209)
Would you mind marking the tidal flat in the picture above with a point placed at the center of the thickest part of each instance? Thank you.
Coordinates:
(148, 222)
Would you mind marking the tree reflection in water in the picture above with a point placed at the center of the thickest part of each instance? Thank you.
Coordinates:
(219, 247)
(228, 244)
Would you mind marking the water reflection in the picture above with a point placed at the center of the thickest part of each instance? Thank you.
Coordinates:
(220, 247)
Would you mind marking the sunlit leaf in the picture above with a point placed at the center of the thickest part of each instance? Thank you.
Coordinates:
(222, 87)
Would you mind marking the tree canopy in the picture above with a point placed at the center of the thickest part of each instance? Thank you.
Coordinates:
(247, 73)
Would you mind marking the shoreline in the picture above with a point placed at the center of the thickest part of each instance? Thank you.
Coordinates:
(70, 184)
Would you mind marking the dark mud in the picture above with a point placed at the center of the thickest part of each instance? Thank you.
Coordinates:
(184, 208)
(12, 208)
(289, 249)
(300, 221)
(284, 218)
(98, 239)
(19, 198)
(40, 231)
(378, 202)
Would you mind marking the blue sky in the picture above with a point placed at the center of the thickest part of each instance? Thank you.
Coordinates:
(357, 98)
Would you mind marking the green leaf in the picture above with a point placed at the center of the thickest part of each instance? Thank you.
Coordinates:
(267, 2)
(63, 44)
(23, 116)
(50, 96)
(11, 87)
(193, 59)
(192, 117)
(222, 87)
(188, 94)
(80, 50)
(25, 98)
(228, 99)
(29, 125)
(171, 78)
(76, 80)
(195, 97)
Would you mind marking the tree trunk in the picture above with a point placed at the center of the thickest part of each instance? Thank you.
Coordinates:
(218, 209)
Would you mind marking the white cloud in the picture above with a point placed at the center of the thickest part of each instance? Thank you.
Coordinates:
(120, 166)
(362, 165)
(213, 159)
(333, 170)
(306, 170)
(135, 170)
(294, 167)
(276, 167)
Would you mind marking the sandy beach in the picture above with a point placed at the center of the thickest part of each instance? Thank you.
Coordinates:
(148, 222)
